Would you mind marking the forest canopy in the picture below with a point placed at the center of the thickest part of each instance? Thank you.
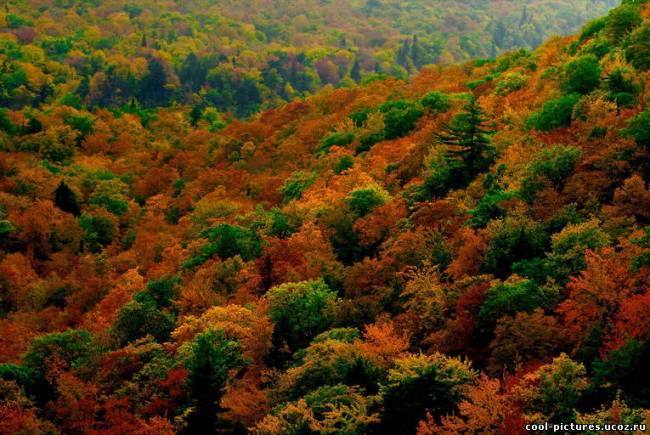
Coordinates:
(234, 58)
(464, 248)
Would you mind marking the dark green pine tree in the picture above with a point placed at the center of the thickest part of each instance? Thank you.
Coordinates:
(416, 53)
(153, 90)
(524, 16)
(355, 73)
(193, 73)
(66, 200)
(213, 357)
(499, 34)
(404, 53)
(468, 138)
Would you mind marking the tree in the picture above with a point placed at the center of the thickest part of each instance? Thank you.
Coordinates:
(154, 91)
(551, 166)
(425, 298)
(639, 130)
(511, 82)
(623, 370)
(597, 296)
(66, 200)
(511, 240)
(363, 201)
(399, 117)
(100, 230)
(524, 338)
(554, 114)
(164, 290)
(638, 48)
(330, 409)
(227, 241)
(483, 411)
(355, 72)
(300, 181)
(141, 317)
(507, 300)
(436, 102)
(616, 413)
(581, 75)
(623, 87)
(233, 90)
(622, 20)
(330, 362)
(552, 392)
(417, 55)
(334, 139)
(300, 312)
(468, 139)
(213, 356)
(499, 34)
(567, 256)
(419, 384)
(193, 72)
(73, 348)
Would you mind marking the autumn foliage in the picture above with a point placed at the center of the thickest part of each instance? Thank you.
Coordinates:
(465, 251)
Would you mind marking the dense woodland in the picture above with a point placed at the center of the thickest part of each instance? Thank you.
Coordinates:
(463, 251)
(239, 56)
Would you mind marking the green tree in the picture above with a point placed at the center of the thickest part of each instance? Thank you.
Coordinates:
(337, 409)
(639, 130)
(300, 312)
(164, 290)
(436, 102)
(507, 300)
(345, 162)
(154, 91)
(355, 72)
(330, 362)
(622, 20)
(228, 241)
(363, 201)
(296, 184)
(213, 357)
(99, 231)
(32, 381)
(83, 124)
(549, 168)
(74, 348)
(468, 139)
(335, 139)
(623, 369)
(419, 384)
(511, 240)
(567, 256)
(622, 87)
(554, 390)
(141, 317)
(554, 114)
(581, 75)
(511, 82)
(399, 117)
(638, 48)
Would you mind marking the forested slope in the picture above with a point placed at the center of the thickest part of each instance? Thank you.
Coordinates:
(242, 56)
(467, 249)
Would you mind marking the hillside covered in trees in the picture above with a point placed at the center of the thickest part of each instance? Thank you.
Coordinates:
(237, 57)
(463, 251)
